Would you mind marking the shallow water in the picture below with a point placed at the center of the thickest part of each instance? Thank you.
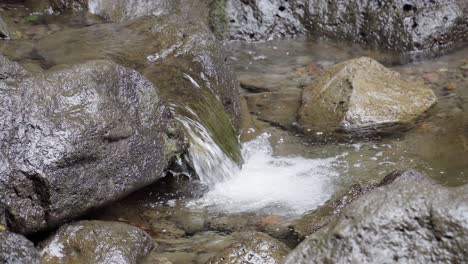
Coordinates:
(283, 173)
(437, 146)
(269, 184)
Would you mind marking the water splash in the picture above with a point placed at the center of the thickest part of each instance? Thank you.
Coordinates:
(280, 185)
(209, 160)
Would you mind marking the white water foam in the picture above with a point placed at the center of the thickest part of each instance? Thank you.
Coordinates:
(210, 162)
(269, 184)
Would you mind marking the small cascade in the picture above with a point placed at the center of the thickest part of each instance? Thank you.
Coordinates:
(212, 165)
(266, 183)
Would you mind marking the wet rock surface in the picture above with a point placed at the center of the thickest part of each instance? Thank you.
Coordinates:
(97, 242)
(264, 19)
(15, 248)
(313, 221)
(362, 97)
(407, 26)
(4, 31)
(402, 222)
(11, 71)
(251, 247)
(75, 139)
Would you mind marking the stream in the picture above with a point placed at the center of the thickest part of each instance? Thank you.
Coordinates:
(283, 174)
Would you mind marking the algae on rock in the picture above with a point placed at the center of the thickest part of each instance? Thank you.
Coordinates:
(362, 97)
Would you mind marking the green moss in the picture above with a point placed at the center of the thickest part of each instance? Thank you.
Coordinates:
(218, 19)
(32, 19)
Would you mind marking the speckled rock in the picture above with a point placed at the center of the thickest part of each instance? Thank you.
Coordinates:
(11, 71)
(122, 10)
(75, 139)
(362, 97)
(408, 26)
(16, 249)
(252, 247)
(398, 223)
(312, 221)
(264, 19)
(97, 242)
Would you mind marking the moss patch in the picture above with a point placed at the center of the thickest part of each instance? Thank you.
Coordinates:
(218, 19)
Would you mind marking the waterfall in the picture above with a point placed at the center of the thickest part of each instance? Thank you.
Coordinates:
(209, 160)
(266, 183)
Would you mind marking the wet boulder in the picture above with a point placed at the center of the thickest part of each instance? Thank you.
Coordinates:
(405, 26)
(15, 248)
(314, 220)
(361, 97)
(76, 138)
(97, 242)
(252, 247)
(403, 222)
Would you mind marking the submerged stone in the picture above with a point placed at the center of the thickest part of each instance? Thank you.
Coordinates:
(362, 97)
(407, 222)
(252, 247)
(96, 242)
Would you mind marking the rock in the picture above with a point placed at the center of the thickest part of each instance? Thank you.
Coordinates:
(184, 60)
(11, 71)
(97, 242)
(263, 19)
(404, 26)
(464, 67)
(362, 97)
(124, 10)
(312, 221)
(4, 31)
(76, 5)
(230, 222)
(403, 222)
(252, 247)
(75, 139)
(277, 108)
(16, 249)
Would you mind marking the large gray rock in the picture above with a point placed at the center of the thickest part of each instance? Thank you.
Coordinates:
(177, 52)
(97, 242)
(362, 97)
(16, 249)
(75, 139)
(399, 25)
(404, 222)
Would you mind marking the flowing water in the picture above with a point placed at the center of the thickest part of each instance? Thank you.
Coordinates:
(283, 173)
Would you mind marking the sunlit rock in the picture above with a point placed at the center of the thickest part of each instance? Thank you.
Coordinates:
(362, 97)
